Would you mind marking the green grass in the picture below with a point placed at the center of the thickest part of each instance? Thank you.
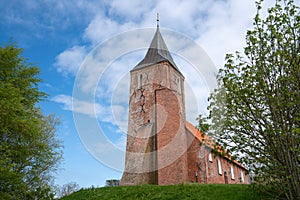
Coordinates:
(182, 191)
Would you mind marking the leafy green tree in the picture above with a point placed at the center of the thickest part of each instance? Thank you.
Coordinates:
(29, 150)
(254, 112)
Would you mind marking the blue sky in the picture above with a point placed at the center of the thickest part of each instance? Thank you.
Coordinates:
(63, 37)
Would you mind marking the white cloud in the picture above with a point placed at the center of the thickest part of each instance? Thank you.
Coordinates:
(120, 113)
(219, 27)
(102, 28)
(65, 100)
(183, 16)
(223, 31)
(69, 61)
(114, 114)
(131, 10)
(83, 107)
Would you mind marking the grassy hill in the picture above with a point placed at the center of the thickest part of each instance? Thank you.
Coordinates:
(183, 191)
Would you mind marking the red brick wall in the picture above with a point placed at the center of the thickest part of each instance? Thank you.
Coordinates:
(198, 160)
(171, 139)
(143, 124)
(215, 177)
(196, 163)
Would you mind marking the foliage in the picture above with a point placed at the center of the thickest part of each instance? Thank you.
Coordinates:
(29, 150)
(67, 189)
(182, 191)
(112, 182)
(203, 124)
(254, 112)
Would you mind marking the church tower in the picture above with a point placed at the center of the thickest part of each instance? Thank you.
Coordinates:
(156, 139)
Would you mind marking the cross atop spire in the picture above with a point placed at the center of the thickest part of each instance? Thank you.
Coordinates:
(157, 20)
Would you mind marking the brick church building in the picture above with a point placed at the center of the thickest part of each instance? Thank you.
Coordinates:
(162, 147)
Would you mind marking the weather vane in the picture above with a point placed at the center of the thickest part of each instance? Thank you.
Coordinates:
(157, 19)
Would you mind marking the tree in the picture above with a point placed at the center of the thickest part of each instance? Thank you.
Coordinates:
(29, 150)
(254, 112)
(68, 189)
(112, 182)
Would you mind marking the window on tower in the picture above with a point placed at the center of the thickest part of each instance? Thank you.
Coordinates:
(175, 79)
(141, 81)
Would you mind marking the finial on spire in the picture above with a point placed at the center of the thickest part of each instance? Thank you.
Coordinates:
(157, 20)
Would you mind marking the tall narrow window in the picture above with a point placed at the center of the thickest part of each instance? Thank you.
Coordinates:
(231, 172)
(219, 166)
(141, 81)
(242, 177)
(179, 86)
(210, 157)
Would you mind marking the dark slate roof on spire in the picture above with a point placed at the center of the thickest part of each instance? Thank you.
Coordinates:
(157, 52)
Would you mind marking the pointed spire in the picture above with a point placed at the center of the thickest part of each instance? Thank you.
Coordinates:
(157, 52)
